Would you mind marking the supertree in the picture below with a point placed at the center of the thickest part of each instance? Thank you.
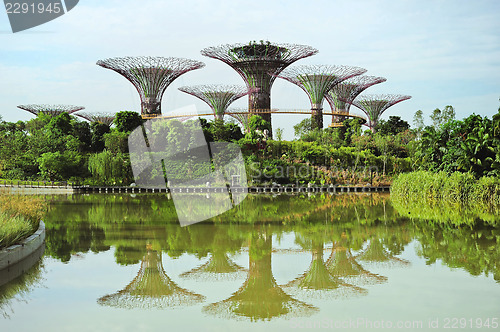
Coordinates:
(52, 110)
(341, 96)
(258, 64)
(151, 76)
(218, 97)
(316, 81)
(106, 118)
(374, 105)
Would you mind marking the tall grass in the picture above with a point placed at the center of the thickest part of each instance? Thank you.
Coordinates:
(19, 217)
(454, 188)
(444, 196)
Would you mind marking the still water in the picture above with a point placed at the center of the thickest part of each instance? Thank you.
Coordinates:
(274, 263)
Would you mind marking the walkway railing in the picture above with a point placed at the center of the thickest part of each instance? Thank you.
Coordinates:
(206, 190)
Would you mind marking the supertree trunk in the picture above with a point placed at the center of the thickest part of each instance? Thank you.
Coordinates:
(151, 106)
(317, 116)
(258, 102)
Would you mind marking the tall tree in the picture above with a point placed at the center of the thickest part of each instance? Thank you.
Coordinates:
(447, 114)
(393, 126)
(436, 118)
(418, 120)
(303, 127)
(126, 121)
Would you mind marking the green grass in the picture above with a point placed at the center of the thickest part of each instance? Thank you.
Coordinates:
(14, 228)
(19, 218)
(458, 198)
(438, 187)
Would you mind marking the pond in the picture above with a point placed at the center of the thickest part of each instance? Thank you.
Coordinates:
(273, 263)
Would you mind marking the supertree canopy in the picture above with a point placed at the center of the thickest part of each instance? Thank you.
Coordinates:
(106, 118)
(151, 76)
(316, 81)
(218, 97)
(53, 110)
(374, 105)
(343, 94)
(259, 64)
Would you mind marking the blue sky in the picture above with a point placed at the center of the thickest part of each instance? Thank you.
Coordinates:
(441, 52)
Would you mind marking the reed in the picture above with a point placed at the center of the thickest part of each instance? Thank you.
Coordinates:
(441, 192)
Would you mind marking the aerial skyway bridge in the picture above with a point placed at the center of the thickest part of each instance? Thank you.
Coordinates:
(238, 113)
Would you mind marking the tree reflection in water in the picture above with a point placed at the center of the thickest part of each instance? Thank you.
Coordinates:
(151, 288)
(260, 297)
(218, 268)
(343, 264)
(376, 253)
(362, 228)
(27, 275)
(220, 244)
(318, 282)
